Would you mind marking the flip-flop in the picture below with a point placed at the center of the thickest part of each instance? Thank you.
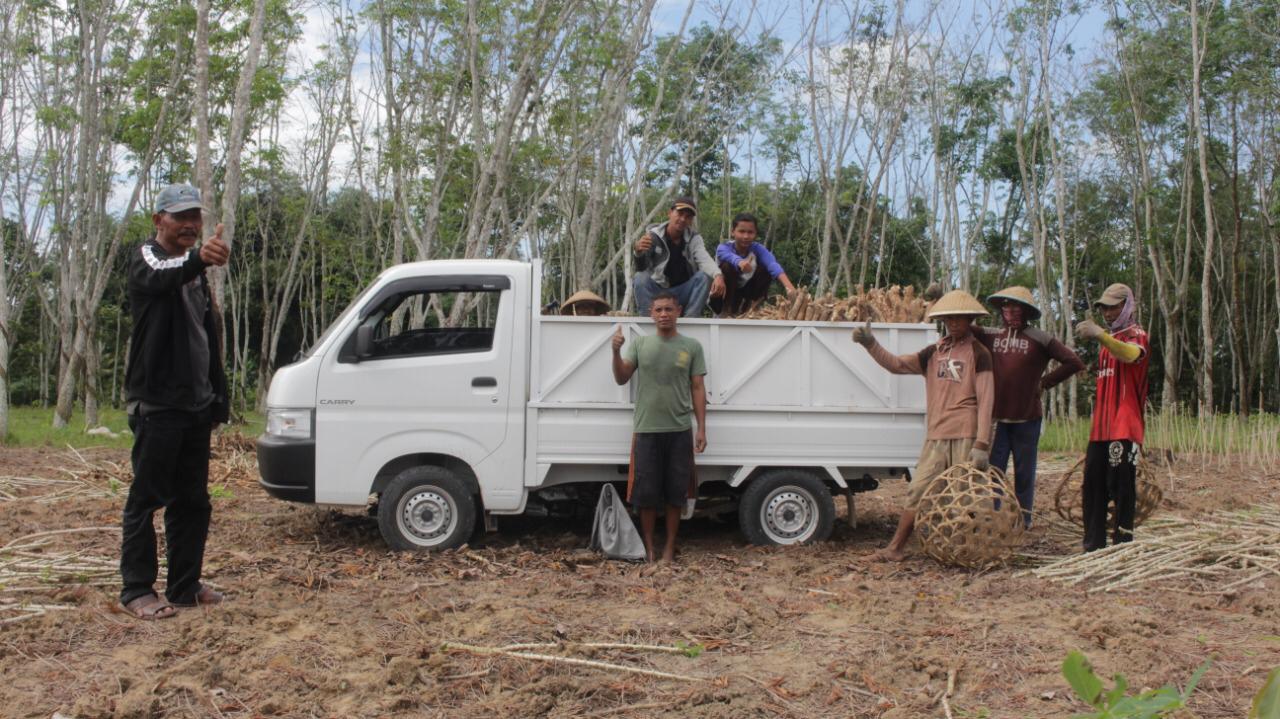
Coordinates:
(149, 607)
(205, 597)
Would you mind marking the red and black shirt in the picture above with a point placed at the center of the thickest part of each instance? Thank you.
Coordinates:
(1121, 391)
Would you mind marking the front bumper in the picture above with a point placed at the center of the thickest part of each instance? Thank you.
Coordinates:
(287, 468)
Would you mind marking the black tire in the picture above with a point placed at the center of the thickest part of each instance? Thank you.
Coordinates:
(426, 508)
(786, 506)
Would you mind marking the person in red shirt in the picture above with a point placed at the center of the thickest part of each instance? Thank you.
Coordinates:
(1115, 442)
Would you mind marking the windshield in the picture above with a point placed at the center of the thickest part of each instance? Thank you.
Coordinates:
(359, 300)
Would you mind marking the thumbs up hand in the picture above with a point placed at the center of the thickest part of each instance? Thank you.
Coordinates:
(214, 251)
(862, 335)
(618, 339)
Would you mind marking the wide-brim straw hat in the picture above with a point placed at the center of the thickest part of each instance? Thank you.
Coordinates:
(1018, 294)
(590, 301)
(956, 303)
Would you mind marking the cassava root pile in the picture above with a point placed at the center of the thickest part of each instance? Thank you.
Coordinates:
(879, 304)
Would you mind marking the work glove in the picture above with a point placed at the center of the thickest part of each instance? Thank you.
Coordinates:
(933, 292)
(1088, 330)
(862, 335)
(980, 458)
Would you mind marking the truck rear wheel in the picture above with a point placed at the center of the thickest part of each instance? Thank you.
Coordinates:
(786, 506)
(426, 508)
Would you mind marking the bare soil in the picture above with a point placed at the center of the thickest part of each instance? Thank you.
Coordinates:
(324, 621)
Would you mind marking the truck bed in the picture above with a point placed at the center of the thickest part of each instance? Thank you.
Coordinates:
(804, 390)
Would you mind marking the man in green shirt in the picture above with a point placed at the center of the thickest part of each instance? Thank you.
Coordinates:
(669, 368)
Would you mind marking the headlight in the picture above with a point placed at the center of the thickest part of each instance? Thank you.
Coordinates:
(289, 423)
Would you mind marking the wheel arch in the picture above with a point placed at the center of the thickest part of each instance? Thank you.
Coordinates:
(829, 475)
(457, 467)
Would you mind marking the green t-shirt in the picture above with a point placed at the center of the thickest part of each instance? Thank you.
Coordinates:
(664, 368)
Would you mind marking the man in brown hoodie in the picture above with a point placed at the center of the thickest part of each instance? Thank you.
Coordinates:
(1020, 354)
(959, 396)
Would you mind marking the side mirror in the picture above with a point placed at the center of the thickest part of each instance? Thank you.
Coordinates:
(364, 341)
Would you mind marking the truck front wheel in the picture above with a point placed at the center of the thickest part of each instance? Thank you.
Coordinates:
(426, 508)
(786, 506)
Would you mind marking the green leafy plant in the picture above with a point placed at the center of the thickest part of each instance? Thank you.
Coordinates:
(1266, 705)
(691, 650)
(220, 491)
(1116, 703)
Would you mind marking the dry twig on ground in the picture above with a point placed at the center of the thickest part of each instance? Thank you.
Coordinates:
(1215, 554)
(29, 567)
(574, 661)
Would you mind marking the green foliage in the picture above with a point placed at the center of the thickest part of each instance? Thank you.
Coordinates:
(1266, 705)
(707, 80)
(33, 427)
(1254, 439)
(1116, 703)
(691, 650)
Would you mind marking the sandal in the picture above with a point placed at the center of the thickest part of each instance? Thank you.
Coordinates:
(149, 607)
(206, 596)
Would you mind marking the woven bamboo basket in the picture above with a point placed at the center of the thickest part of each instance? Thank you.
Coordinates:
(970, 518)
(1068, 498)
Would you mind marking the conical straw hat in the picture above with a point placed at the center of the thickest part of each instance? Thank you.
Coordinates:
(592, 304)
(957, 302)
(1018, 294)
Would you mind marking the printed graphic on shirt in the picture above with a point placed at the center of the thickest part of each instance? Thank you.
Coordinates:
(951, 370)
(1121, 392)
(155, 263)
(1011, 345)
(682, 359)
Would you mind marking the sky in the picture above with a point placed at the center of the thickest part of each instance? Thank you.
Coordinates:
(785, 20)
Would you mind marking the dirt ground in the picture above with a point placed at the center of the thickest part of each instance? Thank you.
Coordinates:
(323, 621)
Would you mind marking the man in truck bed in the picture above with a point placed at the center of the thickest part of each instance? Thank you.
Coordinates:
(671, 257)
(669, 369)
(959, 396)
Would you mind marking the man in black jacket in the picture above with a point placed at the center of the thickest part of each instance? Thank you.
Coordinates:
(176, 394)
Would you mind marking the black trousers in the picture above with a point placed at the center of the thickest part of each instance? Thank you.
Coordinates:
(1110, 475)
(737, 300)
(170, 470)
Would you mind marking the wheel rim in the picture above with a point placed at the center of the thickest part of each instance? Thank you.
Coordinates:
(427, 516)
(789, 515)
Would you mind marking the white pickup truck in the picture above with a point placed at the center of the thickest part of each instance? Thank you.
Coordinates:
(445, 424)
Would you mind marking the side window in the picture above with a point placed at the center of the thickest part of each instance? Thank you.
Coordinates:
(433, 322)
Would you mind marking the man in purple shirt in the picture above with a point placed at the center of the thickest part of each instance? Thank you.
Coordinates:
(748, 268)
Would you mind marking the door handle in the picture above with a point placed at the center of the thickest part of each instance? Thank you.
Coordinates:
(484, 382)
